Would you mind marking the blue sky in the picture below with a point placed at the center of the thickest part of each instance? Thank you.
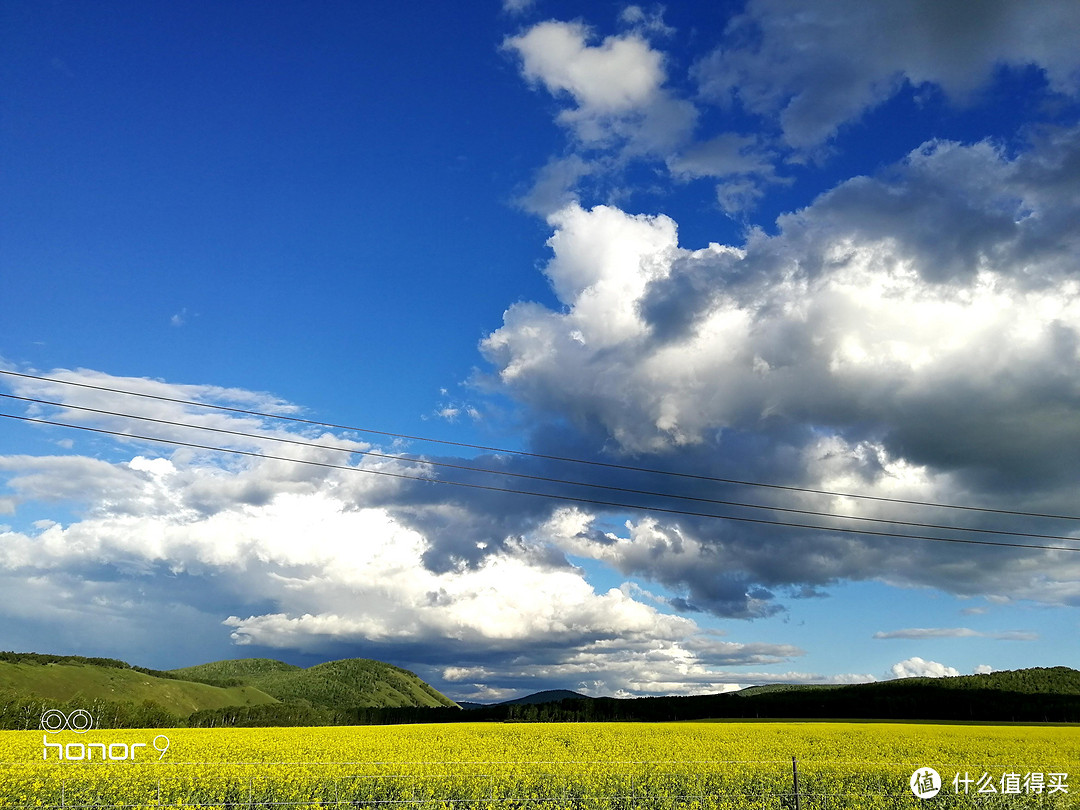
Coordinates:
(829, 248)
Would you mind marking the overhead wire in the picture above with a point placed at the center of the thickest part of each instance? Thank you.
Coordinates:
(549, 496)
(533, 477)
(529, 454)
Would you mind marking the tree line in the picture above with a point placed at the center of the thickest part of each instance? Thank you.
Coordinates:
(24, 713)
(11, 657)
(1033, 696)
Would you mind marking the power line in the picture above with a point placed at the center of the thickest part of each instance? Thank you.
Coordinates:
(531, 477)
(565, 459)
(549, 496)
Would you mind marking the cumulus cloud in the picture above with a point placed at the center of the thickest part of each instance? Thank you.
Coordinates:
(911, 335)
(324, 559)
(622, 73)
(815, 69)
(918, 668)
(834, 318)
(849, 306)
(616, 86)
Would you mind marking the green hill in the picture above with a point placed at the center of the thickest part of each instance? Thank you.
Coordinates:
(346, 684)
(68, 680)
(1036, 694)
(252, 691)
(1031, 681)
(233, 671)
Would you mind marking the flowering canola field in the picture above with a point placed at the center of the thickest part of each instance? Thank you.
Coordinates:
(697, 766)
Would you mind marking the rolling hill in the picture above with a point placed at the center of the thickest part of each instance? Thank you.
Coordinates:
(64, 681)
(346, 684)
(255, 691)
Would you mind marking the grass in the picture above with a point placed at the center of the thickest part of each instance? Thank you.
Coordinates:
(87, 682)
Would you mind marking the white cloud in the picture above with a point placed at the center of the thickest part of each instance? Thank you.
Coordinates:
(620, 74)
(314, 559)
(954, 632)
(651, 21)
(616, 86)
(847, 310)
(801, 74)
(914, 336)
(652, 671)
(815, 69)
(918, 668)
(517, 6)
(450, 411)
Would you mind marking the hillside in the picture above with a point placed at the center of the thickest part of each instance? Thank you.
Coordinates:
(1032, 681)
(346, 684)
(233, 671)
(67, 680)
(255, 691)
(1036, 694)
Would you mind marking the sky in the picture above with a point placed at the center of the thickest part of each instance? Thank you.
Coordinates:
(581, 305)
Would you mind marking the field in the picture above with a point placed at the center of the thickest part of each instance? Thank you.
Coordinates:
(597, 766)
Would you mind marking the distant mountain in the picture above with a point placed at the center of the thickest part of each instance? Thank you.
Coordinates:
(338, 685)
(547, 696)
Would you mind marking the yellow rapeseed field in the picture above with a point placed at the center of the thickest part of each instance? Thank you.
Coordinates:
(698, 766)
